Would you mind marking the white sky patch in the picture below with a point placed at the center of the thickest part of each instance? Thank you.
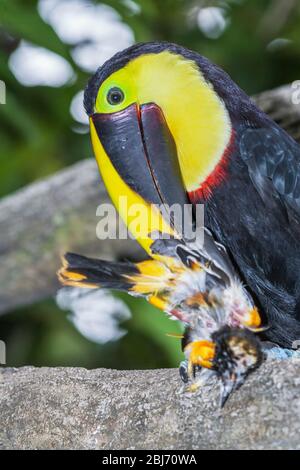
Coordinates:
(212, 21)
(95, 31)
(95, 313)
(33, 66)
(90, 56)
(77, 110)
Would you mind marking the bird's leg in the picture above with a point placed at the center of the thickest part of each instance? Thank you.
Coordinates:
(203, 377)
(193, 376)
(183, 371)
(187, 372)
(273, 351)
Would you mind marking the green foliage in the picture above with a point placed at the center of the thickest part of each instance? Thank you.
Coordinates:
(38, 136)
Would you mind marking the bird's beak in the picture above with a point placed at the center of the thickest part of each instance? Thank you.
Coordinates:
(228, 385)
(141, 148)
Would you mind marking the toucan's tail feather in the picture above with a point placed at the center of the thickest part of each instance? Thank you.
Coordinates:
(81, 271)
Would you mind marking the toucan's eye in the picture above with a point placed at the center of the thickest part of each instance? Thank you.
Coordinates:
(115, 96)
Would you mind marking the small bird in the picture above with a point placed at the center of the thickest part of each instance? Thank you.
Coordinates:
(197, 285)
(170, 127)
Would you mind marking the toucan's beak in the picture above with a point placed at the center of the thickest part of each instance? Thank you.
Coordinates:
(141, 148)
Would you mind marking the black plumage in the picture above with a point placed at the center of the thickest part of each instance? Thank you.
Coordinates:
(98, 274)
(255, 214)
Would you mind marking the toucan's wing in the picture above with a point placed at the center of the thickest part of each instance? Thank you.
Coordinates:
(208, 254)
(273, 160)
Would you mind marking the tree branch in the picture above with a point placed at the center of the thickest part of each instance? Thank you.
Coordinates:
(71, 408)
(41, 221)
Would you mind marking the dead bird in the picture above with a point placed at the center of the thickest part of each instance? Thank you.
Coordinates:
(197, 285)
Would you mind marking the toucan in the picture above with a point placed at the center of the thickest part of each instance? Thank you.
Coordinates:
(170, 127)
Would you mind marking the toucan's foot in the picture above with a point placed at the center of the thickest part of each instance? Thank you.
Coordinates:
(272, 351)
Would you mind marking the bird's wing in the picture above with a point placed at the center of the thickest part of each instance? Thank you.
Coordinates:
(151, 279)
(208, 254)
(183, 275)
(142, 278)
(273, 161)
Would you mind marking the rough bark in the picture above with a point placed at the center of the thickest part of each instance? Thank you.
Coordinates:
(41, 221)
(280, 104)
(69, 408)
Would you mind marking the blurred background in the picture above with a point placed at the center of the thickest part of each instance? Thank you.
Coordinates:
(48, 49)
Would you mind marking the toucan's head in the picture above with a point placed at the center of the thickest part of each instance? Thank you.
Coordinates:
(161, 123)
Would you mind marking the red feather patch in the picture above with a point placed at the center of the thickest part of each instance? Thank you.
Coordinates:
(218, 175)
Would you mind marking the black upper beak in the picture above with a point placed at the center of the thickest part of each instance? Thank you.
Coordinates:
(141, 148)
